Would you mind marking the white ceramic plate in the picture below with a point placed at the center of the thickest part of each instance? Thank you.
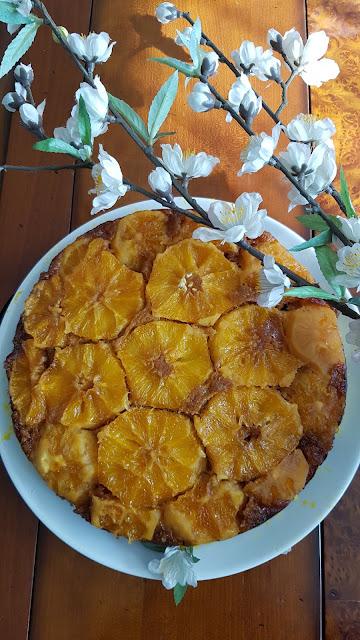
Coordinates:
(219, 558)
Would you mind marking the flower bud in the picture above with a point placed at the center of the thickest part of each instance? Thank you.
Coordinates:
(250, 106)
(268, 68)
(160, 182)
(209, 64)
(31, 116)
(24, 74)
(201, 99)
(13, 101)
(64, 32)
(166, 12)
(275, 40)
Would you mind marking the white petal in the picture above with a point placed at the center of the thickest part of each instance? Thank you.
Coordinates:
(207, 235)
(316, 47)
(77, 44)
(315, 73)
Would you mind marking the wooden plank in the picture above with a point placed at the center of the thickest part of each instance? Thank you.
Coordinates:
(35, 213)
(340, 100)
(276, 601)
(280, 599)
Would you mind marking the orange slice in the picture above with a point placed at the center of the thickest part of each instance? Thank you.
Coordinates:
(282, 483)
(135, 524)
(42, 314)
(207, 512)
(149, 455)
(25, 373)
(192, 282)
(247, 431)
(84, 386)
(164, 362)
(250, 348)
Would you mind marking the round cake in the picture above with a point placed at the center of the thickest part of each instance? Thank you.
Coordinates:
(151, 391)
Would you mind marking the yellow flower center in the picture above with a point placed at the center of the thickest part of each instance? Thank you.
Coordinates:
(309, 118)
(98, 183)
(352, 262)
(233, 216)
(188, 153)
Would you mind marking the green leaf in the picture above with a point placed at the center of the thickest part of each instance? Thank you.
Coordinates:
(327, 259)
(162, 135)
(183, 67)
(154, 547)
(162, 104)
(309, 292)
(179, 593)
(344, 193)
(315, 222)
(195, 42)
(18, 46)
(9, 15)
(84, 123)
(317, 241)
(131, 117)
(354, 301)
(53, 145)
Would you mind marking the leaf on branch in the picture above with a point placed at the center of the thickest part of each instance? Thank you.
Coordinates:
(309, 292)
(131, 117)
(53, 145)
(327, 259)
(315, 222)
(179, 593)
(18, 46)
(162, 135)
(355, 300)
(317, 241)
(345, 195)
(9, 15)
(183, 67)
(84, 124)
(154, 547)
(161, 105)
(195, 43)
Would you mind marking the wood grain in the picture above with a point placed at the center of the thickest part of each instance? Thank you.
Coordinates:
(278, 600)
(340, 100)
(35, 213)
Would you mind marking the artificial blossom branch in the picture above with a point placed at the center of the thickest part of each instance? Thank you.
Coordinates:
(80, 165)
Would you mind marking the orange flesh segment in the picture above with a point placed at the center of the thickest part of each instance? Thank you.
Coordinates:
(282, 483)
(135, 524)
(25, 374)
(42, 314)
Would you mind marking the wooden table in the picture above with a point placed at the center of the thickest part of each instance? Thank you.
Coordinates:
(47, 590)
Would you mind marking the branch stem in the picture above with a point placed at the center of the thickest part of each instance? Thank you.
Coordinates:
(80, 165)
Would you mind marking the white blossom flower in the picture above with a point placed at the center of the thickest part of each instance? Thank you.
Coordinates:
(233, 222)
(92, 48)
(307, 128)
(96, 103)
(69, 133)
(186, 33)
(273, 283)
(108, 179)
(24, 74)
(24, 8)
(350, 228)
(353, 337)
(320, 171)
(160, 182)
(296, 158)
(13, 100)
(187, 165)
(259, 151)
(308, 60)
(349, 263)
(166, 12)
(274, 40)
(243, 99)
(247, 57)
(201, 98)
(268, 68)
(175, 567)
(210, 64)
(31, 116)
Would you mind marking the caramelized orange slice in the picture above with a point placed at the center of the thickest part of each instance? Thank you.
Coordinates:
(25, 373)
(42, 314)
(250, 348)
(313, 336)
(76, 252)
(101, 297)
(67, 460)
(282, 483)
(136, 524)
(164, 362)
(149, 455)
(84, 386)
(192, 282)
(207, 512)
(247, 431)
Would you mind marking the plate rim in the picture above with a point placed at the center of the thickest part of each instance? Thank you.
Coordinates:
(212, 565)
